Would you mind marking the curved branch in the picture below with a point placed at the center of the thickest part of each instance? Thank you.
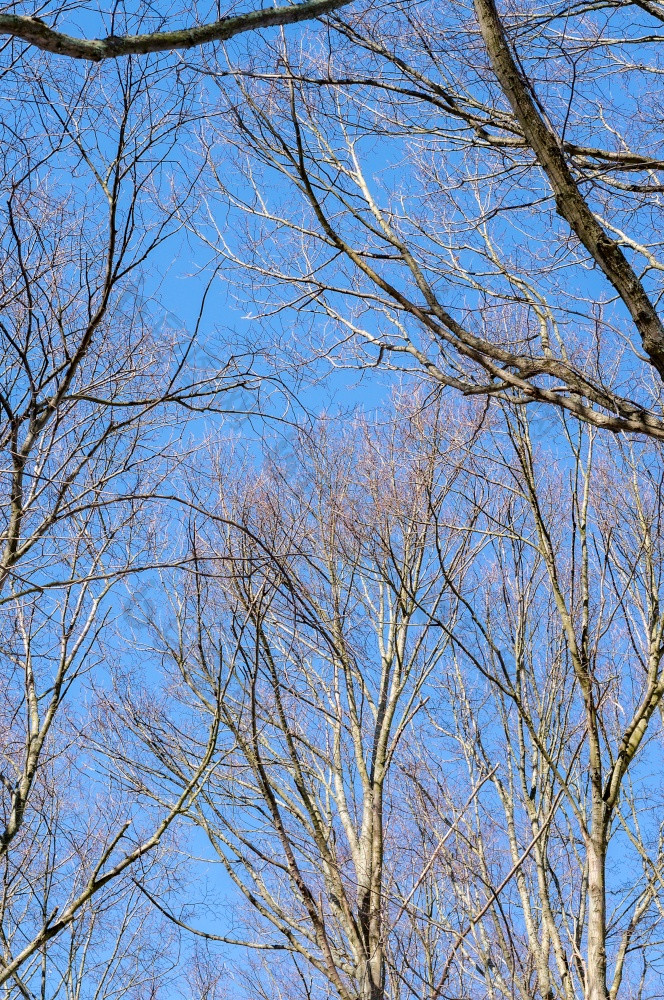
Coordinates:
(35, 32)
(570, 203)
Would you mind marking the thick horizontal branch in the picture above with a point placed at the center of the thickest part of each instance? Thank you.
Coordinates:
(37, 33)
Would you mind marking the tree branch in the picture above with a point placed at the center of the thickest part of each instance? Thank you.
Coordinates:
(33, 31)
(570, 203)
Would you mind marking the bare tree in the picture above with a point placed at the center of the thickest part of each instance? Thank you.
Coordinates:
(309, 600)
(94, 386)
(441, 650)
(410, 688)
(472, 196)
(477, 197)
(566, 626)
(117, 945)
